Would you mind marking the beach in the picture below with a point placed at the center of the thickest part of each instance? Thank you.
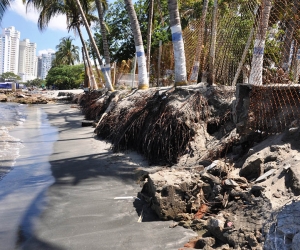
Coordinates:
(68, 182)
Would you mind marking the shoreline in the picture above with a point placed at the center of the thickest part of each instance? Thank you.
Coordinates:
(81, 211)
(22, 189)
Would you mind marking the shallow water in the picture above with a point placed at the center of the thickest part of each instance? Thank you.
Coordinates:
(22, 189)
(11, 115)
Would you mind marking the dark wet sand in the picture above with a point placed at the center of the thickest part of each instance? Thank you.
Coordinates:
(22, 190)
(81, 212)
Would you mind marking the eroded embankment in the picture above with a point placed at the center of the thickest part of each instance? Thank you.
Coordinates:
(216, 182)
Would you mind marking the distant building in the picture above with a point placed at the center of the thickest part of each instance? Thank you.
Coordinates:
(9, 50)
(46, 63)
(27, 60)
(39, 67)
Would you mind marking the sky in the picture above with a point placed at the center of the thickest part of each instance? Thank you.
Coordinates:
(26, 23)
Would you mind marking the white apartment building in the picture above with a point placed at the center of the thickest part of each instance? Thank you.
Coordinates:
(46, 64)
(27, 61)
(9, 50)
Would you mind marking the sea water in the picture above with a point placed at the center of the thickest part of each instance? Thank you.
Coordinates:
(11, 115)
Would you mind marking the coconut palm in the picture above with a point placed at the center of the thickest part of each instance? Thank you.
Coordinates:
(51, 8)
(139, 46)
(4, 5)
(67, 53)
(178, 45)
(107, 78)
(99, 6)
(74, 12)
(259, 44)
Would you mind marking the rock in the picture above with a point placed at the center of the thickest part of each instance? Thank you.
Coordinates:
(257, 188)
(215, 226)
(204, 242)
(173, 192)
(3, 98)
(210, 178)
(293, 179)
(252, 168)
(21, 96)
(296, 242)
(252, 241)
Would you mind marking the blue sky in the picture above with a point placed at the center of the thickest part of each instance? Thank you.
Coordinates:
(26, 23)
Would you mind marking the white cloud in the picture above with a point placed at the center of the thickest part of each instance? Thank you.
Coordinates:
(45, 51)
(57, 23)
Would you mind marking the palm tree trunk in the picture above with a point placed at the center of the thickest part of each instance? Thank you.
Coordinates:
(149, 30)
(108, 84)
(98, 71)
(85, 52)
(139, 47)
(212, 54)
(259, 45)
(86, 77)
(104, 37)
(195, 72)
(178, 45)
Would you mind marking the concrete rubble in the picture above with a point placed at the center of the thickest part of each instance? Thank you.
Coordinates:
(236, 205)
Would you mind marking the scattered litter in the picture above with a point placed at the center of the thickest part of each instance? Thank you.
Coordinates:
(265, 175)
(211, 166)
(126, 198)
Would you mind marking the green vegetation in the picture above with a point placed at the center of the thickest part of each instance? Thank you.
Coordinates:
(35, 82)
(67, 53)
(65, 76)
(9, 76)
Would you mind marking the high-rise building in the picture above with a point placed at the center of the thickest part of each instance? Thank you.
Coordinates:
(9, 50)
(39, 67)
(27, 60)
(46, 64)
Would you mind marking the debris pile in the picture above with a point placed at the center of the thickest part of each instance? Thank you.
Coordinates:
(236, 205)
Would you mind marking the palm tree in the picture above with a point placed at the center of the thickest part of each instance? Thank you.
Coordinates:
(259, 44)
(99, 6)
(178, 45)
(195, 72)
(51, 8)
(67, 53)
(105, 69)
(139, 46)
(4, 4)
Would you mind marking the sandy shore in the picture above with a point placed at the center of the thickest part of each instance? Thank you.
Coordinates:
(81, 212)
